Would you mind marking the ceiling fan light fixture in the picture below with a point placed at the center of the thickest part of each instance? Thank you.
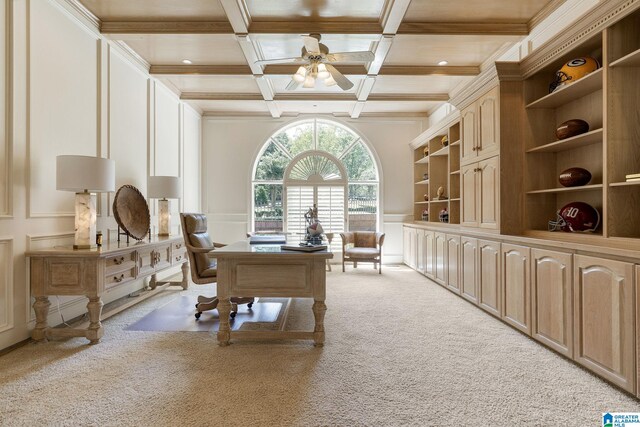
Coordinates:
(442, 63)
(309, 82)
(322, 72)
(329, 81)
(300, 75)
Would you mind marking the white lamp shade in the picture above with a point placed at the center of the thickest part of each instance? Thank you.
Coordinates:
(164, 187)
(79, 173)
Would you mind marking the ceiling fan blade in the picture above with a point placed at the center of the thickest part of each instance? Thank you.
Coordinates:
(361, 56)
(280, 61)
(293, 85)
(341, 80)
(311, 44)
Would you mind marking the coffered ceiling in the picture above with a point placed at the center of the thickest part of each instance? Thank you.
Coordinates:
(223, 39)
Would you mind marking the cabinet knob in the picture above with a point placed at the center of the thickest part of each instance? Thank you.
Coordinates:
(178, 258)
(178, 245)
(474, 148)
(118, 261)
(119, 279)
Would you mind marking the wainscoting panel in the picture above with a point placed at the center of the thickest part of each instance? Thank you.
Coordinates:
(128, 112)
(63, 103)
(6, 284)
(191, 158)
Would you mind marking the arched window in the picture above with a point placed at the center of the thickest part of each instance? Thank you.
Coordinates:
(315, 161)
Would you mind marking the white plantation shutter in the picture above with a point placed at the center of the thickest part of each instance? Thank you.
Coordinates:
(299, 200)
(331, 211)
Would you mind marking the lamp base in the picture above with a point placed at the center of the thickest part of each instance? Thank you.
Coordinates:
(85, 221)
(164, 217)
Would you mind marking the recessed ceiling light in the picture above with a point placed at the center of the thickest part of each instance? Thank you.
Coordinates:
(186, 61)
(443, 62)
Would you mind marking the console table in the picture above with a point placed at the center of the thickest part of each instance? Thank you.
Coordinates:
(265, 270)
(61, 270)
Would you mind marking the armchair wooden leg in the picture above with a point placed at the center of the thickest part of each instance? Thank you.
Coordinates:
(343, 264)
(355, 264)
(380, 266)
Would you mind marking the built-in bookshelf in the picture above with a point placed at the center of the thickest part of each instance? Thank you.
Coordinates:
(436, 165)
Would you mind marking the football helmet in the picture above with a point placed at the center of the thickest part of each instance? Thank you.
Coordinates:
(444, 141)
(576, 216)
(572, 71)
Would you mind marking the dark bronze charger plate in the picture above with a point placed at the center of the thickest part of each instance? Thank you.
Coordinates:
(131, 211)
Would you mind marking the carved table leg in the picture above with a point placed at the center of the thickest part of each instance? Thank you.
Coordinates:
(153, 282)
(319, 308)
(185, 276)
(224, 331)
(41, 307)
(95, 331)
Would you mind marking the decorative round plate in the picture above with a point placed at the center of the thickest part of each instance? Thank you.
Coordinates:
(132, 212)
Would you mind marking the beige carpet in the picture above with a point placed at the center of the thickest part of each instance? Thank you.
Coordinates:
(400, 351)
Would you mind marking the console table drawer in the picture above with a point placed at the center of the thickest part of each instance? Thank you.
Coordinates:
(117, 278)
(117, 264)
(179, 256)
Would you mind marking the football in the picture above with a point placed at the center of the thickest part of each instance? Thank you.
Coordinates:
(571, 128)
(574, 177)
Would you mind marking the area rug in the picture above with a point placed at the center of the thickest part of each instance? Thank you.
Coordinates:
(178, 316)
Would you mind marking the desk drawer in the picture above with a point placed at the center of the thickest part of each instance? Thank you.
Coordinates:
(119, 263)
(118, 278)
(178, 256)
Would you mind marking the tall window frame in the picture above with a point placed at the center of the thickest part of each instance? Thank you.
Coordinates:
(300, 139)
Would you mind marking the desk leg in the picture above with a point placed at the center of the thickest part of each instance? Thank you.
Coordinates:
(153, 283)
(319, 308)
(185, 276)
(95, 330)
(224, 330)
(41, 307)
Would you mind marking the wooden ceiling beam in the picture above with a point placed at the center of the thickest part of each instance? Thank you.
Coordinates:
(168, 27)
(297, 96)
(208, 70)
(447, 70)
(322, 27)
(289, 69)
(464, 28)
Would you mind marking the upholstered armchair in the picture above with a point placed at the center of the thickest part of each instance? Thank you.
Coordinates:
(204, 269)
(362, 246)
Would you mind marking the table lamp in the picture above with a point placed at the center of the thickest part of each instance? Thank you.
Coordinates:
(85, 175)
(163, 188)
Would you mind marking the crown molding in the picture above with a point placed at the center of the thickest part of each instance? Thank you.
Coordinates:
(601, 16)
(486, 79)
(546, 11)
(436, 129)
(165, 27)
(81, 13)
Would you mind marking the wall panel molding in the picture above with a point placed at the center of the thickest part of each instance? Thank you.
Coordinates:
(6, 125)
(6, 284)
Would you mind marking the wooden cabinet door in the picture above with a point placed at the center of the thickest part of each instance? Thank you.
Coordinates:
(163, 257)
(429, 237)
(469, 268)
(146, 261)
(440, 244)
(516, 287)
(469, 195)
(489, 276)
(453, 263)
(468, 133)
(421, 256)
(409, 254)
(489, 190)
(604, 329)
(551, 289)
(488, 141)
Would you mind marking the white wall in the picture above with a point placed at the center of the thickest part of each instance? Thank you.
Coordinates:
(74, 93)
(230, 146)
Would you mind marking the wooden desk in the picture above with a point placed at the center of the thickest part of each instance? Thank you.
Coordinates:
(62, 270)
(246, 270)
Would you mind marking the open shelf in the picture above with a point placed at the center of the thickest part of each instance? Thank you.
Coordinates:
(455, 144)
(624, 184)
(567, 189)
(454, 200)
(442, 152)
(630, 60)
(422, 203)
(586, 85)
(456, 172)
(593, 137)
(423, 182)
(423, 161)
(439, 201)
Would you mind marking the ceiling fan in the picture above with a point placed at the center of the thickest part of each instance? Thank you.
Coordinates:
(316, 61)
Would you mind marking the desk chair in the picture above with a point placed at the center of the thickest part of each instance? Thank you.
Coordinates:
(362, 246)
(203, 264)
